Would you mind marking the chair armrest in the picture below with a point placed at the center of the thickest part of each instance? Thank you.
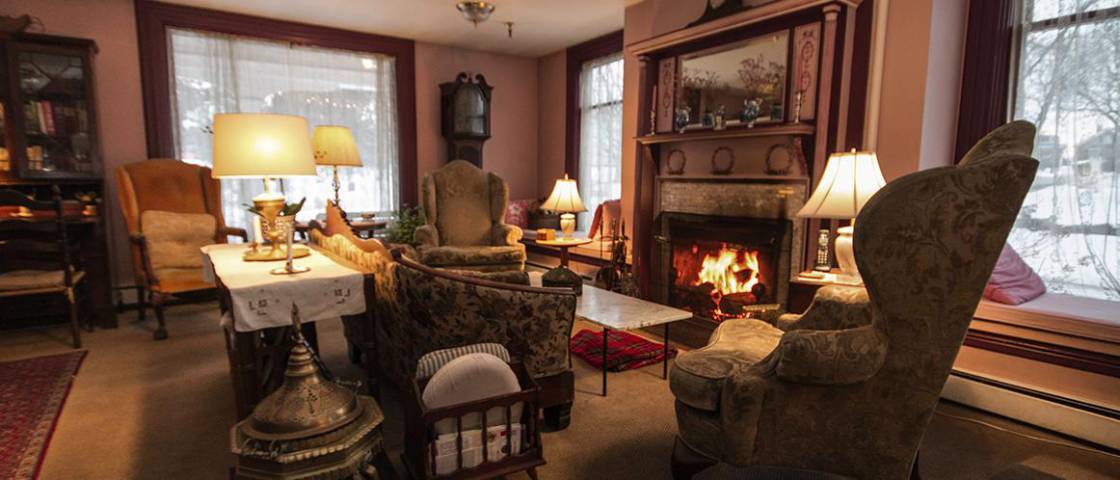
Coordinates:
(235, 232)
(834, 307)
(831, 357)
(141, 243)
(426, 236)
(503, 235)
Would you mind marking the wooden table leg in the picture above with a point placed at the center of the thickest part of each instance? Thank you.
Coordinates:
(605, 332)
(665, 366)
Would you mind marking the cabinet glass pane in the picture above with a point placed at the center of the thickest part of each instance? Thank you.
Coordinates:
(56, 112)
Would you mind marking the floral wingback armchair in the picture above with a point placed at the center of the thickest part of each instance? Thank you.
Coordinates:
(419, 309)
(850, 386)
(464, 208)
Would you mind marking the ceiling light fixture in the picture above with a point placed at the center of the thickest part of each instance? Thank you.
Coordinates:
(475, 11)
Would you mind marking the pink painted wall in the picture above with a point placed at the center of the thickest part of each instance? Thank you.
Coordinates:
(511, 151)
(552, 81)
(116, 70)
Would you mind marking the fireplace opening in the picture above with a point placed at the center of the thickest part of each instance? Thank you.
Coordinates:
(721, 268)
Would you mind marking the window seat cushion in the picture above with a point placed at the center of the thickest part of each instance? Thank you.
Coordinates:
(1059, 313)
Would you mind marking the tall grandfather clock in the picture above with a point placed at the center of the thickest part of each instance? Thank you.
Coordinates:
(466, 117)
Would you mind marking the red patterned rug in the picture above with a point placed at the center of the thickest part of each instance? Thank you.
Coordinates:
(31, 396)
(625, 350)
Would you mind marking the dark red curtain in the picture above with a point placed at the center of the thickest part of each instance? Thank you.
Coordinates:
(987, 70)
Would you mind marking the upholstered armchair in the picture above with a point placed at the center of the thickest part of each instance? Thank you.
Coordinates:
(419, 309)
(464, 208)
(171, 208)
(849, 387)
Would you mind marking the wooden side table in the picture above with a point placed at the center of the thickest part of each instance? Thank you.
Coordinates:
(561, 276)
(258, 356)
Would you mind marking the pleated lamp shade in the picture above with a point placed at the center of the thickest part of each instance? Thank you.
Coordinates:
(564, 198)
(335, 146)
(848, 182)
(255, 145)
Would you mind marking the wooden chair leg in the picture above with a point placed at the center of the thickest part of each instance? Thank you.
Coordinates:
(141, 303)
(687, 462)
(75, 329)
(157, 305)
(532, 473)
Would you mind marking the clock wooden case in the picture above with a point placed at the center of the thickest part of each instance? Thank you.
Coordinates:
(465, 124)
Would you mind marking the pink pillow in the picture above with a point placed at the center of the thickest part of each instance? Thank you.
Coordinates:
(1013, 281)
(517, 213)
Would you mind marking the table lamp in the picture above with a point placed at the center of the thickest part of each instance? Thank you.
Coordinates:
(565, 200)
(849, 180)
(266, 146)
(335, 147)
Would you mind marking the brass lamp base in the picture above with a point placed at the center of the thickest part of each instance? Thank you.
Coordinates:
(270, 254)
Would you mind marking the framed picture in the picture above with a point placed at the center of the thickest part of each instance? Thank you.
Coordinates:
(667, 85)
(746, 80)
(807, 53)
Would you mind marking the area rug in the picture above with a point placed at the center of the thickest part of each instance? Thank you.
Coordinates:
(625, 350)
(31, 397)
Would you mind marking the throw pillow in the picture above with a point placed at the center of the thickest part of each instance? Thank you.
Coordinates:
(174, 239)
(1013, 281)
(517, 213)
(471, 377)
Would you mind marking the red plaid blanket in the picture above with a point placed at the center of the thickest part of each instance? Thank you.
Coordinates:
(624, 350)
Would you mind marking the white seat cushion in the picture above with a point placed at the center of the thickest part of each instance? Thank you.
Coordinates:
(470, 377)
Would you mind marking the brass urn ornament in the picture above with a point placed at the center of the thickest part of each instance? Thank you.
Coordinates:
(311, 428)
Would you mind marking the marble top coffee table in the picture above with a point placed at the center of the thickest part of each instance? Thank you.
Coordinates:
(614, 311)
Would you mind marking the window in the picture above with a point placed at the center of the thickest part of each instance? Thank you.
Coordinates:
(1068, 84)
(600, 138)
(217, 73)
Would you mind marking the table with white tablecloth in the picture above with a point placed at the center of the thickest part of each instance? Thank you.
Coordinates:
(257, 312)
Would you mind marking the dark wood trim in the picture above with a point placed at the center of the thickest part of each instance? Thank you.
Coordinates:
(1069, 357)
(577, 55)
(154, 18)
(861, 71)
(986, 79)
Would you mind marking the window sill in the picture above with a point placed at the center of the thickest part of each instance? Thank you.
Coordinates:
(1088, 318)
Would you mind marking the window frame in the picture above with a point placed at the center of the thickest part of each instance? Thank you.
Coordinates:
(577, 55)
(153, 19)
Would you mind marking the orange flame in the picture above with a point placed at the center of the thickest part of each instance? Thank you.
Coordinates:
(723, 270)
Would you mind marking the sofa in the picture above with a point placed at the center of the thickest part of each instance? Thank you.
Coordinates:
(418, 309)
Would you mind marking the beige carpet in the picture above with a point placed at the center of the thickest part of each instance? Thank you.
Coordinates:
(162, 410)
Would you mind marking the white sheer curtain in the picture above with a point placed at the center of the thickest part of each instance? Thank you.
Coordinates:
(215, 73)
(1069, 86)
(600, 137)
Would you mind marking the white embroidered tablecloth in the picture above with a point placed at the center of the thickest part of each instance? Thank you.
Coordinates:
(261, 300)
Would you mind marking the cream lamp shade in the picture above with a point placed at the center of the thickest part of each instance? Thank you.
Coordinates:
(564, 198)
(849, 180)
(335, 146)
(255, 145)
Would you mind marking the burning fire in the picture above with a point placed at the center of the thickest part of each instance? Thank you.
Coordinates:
(731, 271)
(728, 273)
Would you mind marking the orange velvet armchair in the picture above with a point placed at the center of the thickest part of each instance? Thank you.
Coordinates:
(171, 208)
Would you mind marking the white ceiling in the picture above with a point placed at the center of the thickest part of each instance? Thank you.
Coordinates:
(540, 26)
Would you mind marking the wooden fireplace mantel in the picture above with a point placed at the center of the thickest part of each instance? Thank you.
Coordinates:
(840, 93)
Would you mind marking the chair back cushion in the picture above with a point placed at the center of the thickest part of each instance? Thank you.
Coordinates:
(1012, 138)
(464, 203)
(167, 185)
(174, 239)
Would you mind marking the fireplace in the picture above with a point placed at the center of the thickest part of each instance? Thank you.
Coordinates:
(722, 268)
(744, 227)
